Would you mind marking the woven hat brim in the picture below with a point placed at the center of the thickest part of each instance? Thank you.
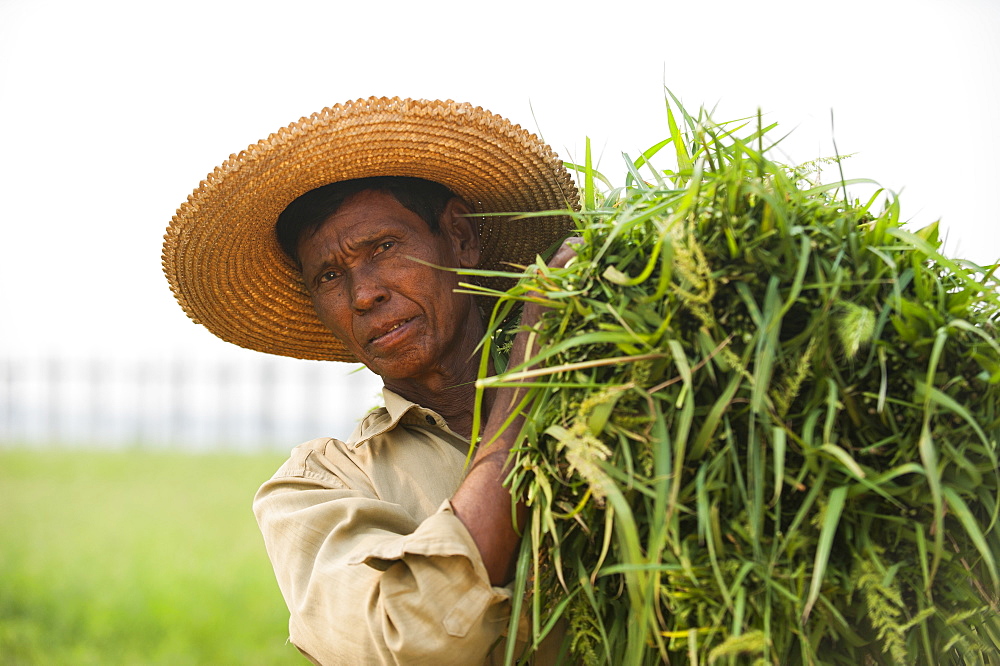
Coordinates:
(222, 259)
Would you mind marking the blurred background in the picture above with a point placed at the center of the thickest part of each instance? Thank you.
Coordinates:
(132, 441)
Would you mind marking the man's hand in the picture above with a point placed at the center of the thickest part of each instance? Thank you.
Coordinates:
(532, 312)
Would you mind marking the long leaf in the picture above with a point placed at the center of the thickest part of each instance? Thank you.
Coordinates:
(828, 530)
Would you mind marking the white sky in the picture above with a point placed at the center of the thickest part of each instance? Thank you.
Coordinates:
(114, 110)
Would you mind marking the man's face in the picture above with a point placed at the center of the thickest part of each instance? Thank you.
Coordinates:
(401, 318)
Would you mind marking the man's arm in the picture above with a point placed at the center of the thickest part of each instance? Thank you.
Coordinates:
(364, 579)
(482, 502)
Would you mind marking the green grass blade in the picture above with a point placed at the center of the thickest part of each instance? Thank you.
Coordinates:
(831, 520)
(958, 507)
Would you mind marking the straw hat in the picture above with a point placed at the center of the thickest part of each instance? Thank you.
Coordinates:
(220, 253)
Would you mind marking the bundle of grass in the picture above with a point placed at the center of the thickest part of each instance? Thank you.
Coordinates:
(763, 424)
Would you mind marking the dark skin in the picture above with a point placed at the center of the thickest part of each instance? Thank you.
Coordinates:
(405, 322)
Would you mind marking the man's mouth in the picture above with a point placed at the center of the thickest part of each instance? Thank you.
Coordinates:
(387, 332)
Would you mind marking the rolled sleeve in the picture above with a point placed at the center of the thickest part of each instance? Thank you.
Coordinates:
(368, 583)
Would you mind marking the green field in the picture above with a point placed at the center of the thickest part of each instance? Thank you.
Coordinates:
(136, 557)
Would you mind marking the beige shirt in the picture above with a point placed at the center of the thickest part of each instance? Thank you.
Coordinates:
(373, 565)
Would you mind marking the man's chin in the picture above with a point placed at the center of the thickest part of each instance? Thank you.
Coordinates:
(399, 367)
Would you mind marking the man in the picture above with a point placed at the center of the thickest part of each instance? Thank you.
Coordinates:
(324, 242)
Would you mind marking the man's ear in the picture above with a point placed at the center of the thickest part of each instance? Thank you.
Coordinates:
(462, 231)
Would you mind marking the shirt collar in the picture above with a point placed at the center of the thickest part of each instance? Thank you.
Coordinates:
(397, 410)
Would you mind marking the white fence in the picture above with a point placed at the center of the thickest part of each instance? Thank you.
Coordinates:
(266, 404)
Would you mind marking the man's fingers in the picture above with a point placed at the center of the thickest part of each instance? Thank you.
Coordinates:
(566, 252)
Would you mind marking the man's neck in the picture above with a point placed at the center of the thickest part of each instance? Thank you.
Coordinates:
(453, 397)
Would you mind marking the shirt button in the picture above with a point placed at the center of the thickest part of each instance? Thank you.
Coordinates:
(430, 420)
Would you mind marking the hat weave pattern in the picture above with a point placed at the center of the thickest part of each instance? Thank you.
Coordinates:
(220, 253)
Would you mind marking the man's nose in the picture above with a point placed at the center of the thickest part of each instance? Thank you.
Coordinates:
(367, 290)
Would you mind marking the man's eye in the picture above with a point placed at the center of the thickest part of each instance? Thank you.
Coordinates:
(385, 246)
(329, 276)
